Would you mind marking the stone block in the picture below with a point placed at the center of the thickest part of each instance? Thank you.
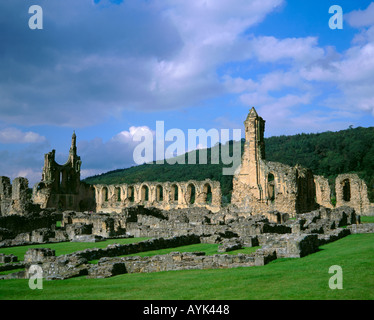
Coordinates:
(37, 255)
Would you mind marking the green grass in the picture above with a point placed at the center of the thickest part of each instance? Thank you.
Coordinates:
(10, 271)
(367, 219)
(305, 278)
(67, 247)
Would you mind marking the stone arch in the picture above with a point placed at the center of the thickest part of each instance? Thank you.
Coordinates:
(144, 193)
(191, 193)
(131, 193)
(346, 190)
(159, 193)
(104, 194)
(270, 186)
(207, 192)
(117, 193)
(174, 193)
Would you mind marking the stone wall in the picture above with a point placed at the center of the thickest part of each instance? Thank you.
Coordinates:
(352, 191)
(18, 229)
(183, 261)
(291, 239)
(260, 186)
(72, 265)
(166, 195)
(323, 191)
(14, 197)
(60, 186)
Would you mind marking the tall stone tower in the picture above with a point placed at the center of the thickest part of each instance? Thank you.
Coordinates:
(63, 178)
(254, 151)
(261, 186)
(74, 160)
(61, 186)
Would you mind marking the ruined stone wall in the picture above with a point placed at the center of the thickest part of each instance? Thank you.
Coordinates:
(281, 188)
(166, 195)
(323, 191)
(14, 198)
(5, 195)
(260, 186)
(13, 226)
(60, 187)
(103, 225)
(352, 191)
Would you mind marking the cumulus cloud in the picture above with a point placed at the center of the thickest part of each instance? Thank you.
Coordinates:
(361, 18)
(14, 135)
(105, 57)
(25, 162)
(305, 74)
(271, 49)
(99, 156)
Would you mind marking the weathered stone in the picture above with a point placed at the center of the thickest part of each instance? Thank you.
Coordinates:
(38, 255)
(165, 195)
(261, 186)
(352, 191)
(230, 245)
(6, 258)
(61, 187)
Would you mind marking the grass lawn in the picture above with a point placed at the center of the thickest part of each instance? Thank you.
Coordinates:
(67, 247)
(367, 219)
(305, 278)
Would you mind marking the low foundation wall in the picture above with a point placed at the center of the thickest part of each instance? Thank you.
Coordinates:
(181, 261)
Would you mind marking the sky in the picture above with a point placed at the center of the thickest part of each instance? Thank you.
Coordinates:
(109, 68)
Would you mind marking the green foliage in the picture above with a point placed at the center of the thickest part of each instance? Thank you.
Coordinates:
(327, 154)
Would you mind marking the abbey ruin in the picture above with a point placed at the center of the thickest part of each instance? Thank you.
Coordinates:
(287, 211)
(259, 186)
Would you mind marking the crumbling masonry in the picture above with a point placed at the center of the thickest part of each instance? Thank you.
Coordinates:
(168, 195)
(259, 187)
(61, 187)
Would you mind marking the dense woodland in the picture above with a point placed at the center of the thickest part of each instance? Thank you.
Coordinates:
(327, 154)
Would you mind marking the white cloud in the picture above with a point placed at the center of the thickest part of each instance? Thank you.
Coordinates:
(100, 156)
(301, 50)
(353, 74)
(361, 18)
(150, 56)
(33, 176)
(13, 135)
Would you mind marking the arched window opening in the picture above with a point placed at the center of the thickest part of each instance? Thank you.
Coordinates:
(346, 190)
(105, 194)
(159, 193)
(191, 194)
(144, 193)
(207, 189)
(130, 194)
(271, 187)
(117, 192)
(174, 193)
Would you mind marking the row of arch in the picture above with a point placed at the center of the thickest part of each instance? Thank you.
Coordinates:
(188, 193)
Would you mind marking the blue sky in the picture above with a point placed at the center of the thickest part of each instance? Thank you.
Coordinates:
(106, 68)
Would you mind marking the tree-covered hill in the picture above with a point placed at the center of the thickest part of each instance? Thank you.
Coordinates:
(327, 154)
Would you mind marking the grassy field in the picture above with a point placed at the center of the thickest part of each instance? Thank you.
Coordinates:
(367, 219)
(305, 278)
(67, 247)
